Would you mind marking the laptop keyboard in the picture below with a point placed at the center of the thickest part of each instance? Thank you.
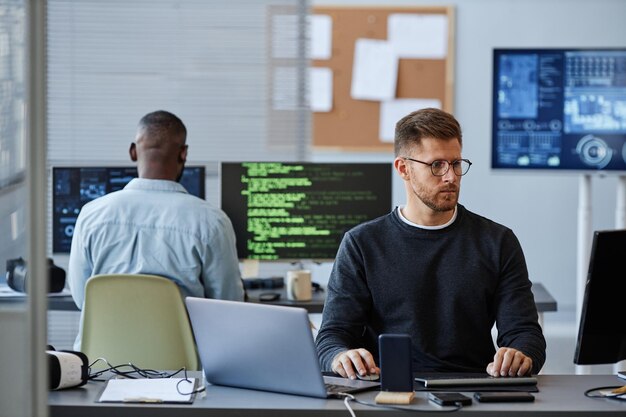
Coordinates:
(336, 389)
(335, 385)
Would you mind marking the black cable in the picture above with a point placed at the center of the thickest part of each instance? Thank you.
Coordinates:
(132, 373)
(195, 391)
(457, 407)
(351, 397)
(141, 372)
(610, 397)
(185, 379)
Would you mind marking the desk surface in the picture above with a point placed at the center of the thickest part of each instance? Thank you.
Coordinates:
(315, 305)
(543, 300)
(559, 395)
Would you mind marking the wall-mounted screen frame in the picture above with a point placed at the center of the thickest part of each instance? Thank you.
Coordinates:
(559, 109)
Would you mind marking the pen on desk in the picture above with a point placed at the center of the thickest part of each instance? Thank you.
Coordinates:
(142, 400)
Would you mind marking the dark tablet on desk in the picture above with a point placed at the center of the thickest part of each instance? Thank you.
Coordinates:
(479, 381)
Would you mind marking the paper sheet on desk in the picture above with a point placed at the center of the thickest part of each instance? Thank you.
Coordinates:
(8, 292)
(152, 390)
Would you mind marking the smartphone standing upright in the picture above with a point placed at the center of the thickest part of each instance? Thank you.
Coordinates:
(396, 373)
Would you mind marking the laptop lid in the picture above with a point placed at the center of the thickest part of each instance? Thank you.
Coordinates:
(249, 345)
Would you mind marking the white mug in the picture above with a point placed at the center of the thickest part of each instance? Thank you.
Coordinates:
(299, 285)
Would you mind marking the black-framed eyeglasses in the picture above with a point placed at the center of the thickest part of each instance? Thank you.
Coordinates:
(440, 167)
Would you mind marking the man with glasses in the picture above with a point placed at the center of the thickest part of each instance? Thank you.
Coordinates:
(433, 270)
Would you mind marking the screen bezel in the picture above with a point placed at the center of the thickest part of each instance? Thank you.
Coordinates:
(599, 338)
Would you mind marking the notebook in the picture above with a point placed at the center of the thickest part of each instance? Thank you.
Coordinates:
(263, 347)
(437, 380)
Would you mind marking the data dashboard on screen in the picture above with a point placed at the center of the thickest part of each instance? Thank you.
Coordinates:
(559, 109)
(73, 187)
(300, 211)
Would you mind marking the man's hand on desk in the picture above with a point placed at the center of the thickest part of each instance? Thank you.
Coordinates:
(345, 363)
(506, 362)
(510, 362)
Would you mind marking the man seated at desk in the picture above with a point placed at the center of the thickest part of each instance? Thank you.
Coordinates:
(153, 226)
(433, 270)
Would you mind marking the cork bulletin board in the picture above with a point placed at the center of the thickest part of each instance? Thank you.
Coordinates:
(354, 124)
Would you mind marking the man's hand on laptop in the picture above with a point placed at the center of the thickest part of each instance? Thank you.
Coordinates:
(362, 360)
(510, 362)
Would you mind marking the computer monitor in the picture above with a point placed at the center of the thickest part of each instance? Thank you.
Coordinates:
(602, 333)
(73, 187)
(292, 211)
(559, 109)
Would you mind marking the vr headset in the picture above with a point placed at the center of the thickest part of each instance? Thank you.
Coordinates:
(67, 368)
(17, 277)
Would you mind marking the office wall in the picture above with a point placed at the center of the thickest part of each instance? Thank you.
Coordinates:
(540, 208)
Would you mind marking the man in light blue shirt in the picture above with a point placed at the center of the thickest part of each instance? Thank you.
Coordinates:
(153, 226)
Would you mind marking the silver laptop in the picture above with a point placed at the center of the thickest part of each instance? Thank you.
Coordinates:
(263, 347)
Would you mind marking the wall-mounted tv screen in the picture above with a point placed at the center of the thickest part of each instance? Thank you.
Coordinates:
(73, 187)
(559, 109)
(294, 211)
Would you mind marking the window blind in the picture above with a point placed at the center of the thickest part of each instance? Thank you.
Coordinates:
(111, 62)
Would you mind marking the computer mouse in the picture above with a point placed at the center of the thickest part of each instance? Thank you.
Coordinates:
(368, 377)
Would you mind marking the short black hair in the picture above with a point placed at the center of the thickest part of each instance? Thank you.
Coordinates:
(161, 124)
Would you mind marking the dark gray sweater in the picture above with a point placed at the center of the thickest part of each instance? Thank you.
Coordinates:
(445, 288)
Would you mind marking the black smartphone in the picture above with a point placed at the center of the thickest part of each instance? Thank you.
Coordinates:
(449, 398)
(499, 397)
(395, 361)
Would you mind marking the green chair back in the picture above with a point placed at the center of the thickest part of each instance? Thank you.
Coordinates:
(138, 319)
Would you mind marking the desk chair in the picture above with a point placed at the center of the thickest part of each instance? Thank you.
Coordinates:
(139, 319)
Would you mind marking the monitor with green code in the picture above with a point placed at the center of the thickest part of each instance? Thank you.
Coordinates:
(300, 211)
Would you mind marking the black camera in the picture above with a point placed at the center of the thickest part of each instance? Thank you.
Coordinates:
(17, 277)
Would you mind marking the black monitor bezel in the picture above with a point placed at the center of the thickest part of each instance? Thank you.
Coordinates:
(600, 339)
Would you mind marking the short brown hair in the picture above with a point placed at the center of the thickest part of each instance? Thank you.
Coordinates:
(425, 123)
